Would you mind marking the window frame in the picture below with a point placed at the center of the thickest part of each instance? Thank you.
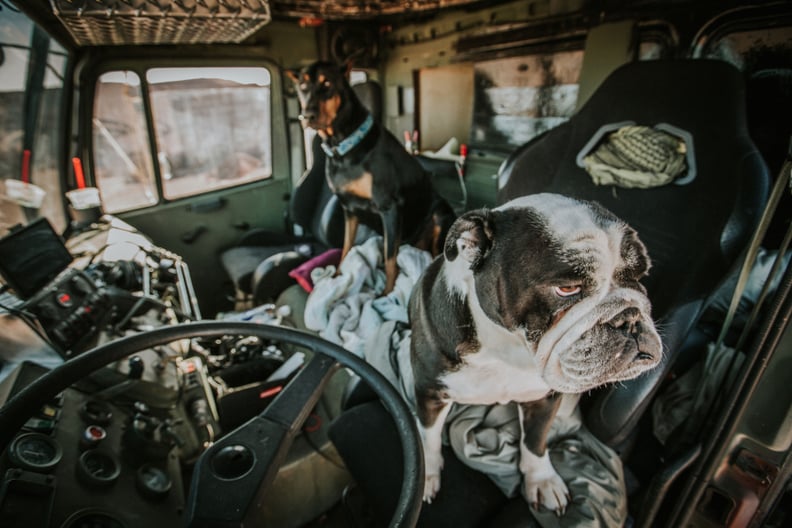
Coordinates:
(92, 68)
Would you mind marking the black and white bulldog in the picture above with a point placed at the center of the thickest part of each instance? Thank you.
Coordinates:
(537, 298)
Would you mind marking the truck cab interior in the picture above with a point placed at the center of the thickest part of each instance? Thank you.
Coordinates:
(168, 357)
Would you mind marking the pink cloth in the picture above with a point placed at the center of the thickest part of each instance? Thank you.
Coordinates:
(302, 273)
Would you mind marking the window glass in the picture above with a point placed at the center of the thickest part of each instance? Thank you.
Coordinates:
(122, 159)
(212, 130)
(753, 49)
(212, 127)
(764, 55)
(44, 159)
(518, 98)
(41, 144)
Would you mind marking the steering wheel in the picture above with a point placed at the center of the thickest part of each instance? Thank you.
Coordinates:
(232, 476)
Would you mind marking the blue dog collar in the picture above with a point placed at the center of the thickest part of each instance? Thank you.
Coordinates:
(351, 142)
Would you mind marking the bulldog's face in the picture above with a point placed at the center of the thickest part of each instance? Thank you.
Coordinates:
(564, 275)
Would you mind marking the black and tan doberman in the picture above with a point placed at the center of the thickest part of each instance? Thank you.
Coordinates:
(368, 169)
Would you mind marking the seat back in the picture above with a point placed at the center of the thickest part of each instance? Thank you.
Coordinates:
(694, 232)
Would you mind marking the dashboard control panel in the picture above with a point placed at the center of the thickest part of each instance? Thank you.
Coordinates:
(70, 309)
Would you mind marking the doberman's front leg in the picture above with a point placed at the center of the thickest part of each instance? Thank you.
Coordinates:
(350, 232)
(541, 483)
(391, 227)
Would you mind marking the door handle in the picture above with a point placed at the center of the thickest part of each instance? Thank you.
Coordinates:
(207, 206)
(191, 236)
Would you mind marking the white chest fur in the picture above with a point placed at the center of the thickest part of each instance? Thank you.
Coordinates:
(503, 370)
(487, 379)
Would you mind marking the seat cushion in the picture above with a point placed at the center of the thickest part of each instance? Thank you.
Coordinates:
(241, 262)
(367, 439)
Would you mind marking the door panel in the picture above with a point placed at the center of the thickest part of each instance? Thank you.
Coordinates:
(199, 228)
(192, 155)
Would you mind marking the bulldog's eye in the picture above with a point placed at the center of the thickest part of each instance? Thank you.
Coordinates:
(567, 291)
(327, 84)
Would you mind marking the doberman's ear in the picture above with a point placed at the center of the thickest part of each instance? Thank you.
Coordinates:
(470, 237)
(293, 75)
(346, 68)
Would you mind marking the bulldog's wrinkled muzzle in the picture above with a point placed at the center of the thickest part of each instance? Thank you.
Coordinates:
(597, 343)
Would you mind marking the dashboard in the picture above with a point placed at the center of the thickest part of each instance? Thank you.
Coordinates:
(116, 449)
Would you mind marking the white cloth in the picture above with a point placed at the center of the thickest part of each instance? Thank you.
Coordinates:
(345, 309)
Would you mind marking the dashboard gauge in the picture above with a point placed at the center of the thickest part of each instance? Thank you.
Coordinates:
(93, 519)
(153, 482)
(35, 452)
(97, 468)
(92, 436)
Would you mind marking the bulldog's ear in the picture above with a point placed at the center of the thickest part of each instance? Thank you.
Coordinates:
(634, 256)
(470, 237)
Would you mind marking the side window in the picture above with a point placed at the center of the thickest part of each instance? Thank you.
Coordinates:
(32, 68)
(122, 155)
(212, 129)
(764, 55)
(518, 98)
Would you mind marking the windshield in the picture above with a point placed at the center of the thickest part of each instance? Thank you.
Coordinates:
(211, 125)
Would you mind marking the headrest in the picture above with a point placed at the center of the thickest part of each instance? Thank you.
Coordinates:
(370, 94)
(707, 219)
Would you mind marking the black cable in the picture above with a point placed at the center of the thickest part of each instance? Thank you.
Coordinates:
(30, 320)
(130, 313)
(318, 449)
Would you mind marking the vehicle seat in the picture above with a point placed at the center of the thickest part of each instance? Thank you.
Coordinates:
(259, 263)
(694, 234)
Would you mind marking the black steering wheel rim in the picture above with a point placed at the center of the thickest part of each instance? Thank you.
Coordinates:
(15, 412)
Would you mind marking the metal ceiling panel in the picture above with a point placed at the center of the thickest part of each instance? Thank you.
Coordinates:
(117, 22)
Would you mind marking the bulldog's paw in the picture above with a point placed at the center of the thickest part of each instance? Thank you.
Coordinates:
(434, 464)
(431, 487)
(546, 489)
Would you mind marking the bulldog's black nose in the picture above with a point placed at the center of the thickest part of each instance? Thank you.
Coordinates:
(628, 321)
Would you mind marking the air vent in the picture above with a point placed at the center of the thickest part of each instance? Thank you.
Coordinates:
(117, 22)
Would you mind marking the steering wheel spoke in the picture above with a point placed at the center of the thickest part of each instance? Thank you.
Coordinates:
(240, 468)
(294, 403)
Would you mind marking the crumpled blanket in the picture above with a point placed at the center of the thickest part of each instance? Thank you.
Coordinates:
(345, 310)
